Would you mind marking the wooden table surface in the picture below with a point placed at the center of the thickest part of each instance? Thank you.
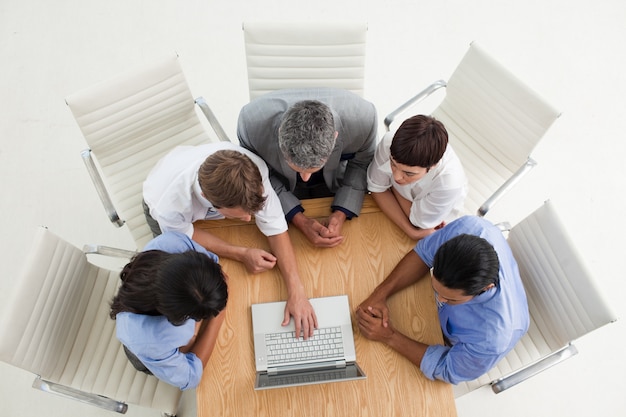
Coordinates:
(394, 386)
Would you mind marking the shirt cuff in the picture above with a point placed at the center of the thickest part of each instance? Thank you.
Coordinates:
(348, 213)
(432, 357)
(297, 209)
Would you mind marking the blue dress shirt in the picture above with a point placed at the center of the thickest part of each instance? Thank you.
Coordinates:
(483, 330)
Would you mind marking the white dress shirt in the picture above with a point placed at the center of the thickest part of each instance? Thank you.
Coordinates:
(173, 194)
(438, 196)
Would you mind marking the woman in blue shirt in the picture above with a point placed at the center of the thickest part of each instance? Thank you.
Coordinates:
(169, 309)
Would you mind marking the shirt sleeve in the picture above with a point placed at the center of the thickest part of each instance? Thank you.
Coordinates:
(174, 242)
(270, 219)
(351, 193)
(183, 370)
(379, 171)
(427, 248)
(173, 222)
(431, 210)
(456, 364)
(156, 344)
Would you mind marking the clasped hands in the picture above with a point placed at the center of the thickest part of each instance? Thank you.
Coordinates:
(326, 234)
(373, 320)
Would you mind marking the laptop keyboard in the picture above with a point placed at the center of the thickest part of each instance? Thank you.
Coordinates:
(284, 347)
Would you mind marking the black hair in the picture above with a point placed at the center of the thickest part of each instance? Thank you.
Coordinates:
(468, 263)
(178, 286)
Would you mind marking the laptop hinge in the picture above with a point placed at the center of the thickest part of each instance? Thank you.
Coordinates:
(338, 364)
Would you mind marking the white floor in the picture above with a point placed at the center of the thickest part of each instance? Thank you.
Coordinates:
(570, 51)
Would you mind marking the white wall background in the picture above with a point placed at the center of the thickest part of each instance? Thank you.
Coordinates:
(570, 51)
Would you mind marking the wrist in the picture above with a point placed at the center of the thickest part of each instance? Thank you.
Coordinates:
(298, 220)
(339, 215)
(295, 288)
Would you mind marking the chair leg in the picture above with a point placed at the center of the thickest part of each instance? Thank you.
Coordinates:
(85, 397)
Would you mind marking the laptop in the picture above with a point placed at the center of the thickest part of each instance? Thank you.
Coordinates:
(284, 361)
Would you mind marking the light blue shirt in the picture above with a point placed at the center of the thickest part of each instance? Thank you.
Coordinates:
(153, 339)
(483, 330)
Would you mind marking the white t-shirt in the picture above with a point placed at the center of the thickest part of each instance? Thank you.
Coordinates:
(173, 194)
(438, 196)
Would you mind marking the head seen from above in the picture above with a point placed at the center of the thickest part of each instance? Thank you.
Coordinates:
(464, 267)
(179, 286)
(307, 135)
(232, 183)
(417, 146)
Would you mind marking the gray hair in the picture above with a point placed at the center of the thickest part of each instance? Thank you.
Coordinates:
(307, 134)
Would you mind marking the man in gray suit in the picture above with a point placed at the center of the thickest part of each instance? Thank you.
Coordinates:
(317, 142)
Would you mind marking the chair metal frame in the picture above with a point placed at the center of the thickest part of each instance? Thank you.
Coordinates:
(171, 68)
(57, 361)
(563, 300)
(524, 168)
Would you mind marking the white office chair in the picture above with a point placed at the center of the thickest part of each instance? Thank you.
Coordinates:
(563, 299)
(129, 123)
(57, 326)
(282, 55)
(493, 120)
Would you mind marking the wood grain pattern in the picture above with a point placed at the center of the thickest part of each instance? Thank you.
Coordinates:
(394, 386)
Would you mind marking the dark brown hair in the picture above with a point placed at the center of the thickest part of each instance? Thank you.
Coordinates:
(420, 141)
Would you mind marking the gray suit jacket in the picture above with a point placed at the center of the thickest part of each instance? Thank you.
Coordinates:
(345, 172)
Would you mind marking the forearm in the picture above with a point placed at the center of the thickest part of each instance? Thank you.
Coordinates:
(218, 246)
(300, 220)
(407, 272)
(407, 347)
(389, 205)
(207, 338)
(282, 248)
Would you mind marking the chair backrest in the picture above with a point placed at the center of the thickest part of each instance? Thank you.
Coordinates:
(564, 301)
(494, 121)
(57, 326)
(283, 55)
(129, 123)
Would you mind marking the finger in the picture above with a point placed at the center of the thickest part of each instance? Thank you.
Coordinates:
(314, 317)
(269, 257)
(305, 329)
(298, 324)
(329, 242)
(286, 318)
(325, 232)
(312, 326)
(366, 318)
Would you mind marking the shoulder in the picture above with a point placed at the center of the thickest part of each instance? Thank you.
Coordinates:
(176, 242)
(191, 157)
(472, 225)
(149, 335)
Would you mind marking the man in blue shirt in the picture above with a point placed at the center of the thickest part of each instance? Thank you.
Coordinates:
(480, 298)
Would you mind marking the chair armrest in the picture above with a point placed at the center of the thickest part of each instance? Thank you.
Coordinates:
(108, 251)
(509, 381)
(504, 188)
(419, 97)
(504, 226)
(100, 188)
(84, 397)
(215, 124)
